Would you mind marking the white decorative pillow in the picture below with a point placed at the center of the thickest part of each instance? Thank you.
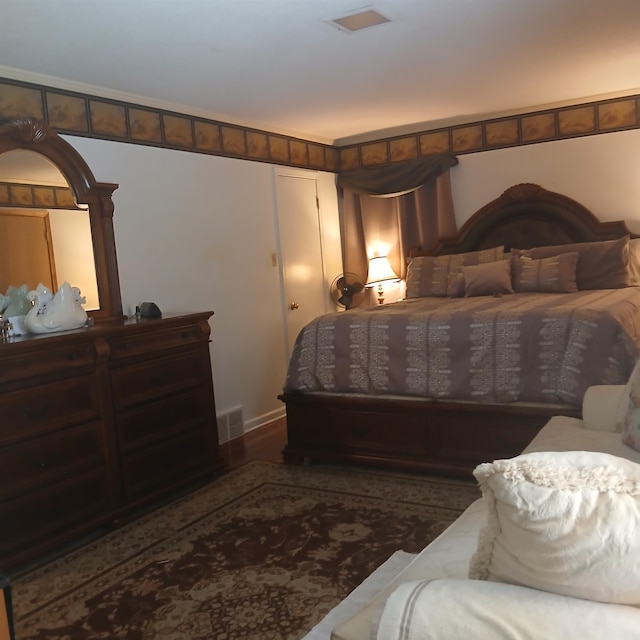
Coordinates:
(630, 410)
(634, 262)
(567, 522)
(601, 408)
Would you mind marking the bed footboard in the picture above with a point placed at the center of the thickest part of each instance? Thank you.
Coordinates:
(443, 437)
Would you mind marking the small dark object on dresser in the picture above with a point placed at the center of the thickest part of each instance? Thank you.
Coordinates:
(150, 310)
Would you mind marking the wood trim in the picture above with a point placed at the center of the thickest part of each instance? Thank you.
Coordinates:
(34, 135)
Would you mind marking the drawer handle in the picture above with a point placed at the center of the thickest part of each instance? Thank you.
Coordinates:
(35, 412)
(158, 379)
(44, 463)
(52, 510)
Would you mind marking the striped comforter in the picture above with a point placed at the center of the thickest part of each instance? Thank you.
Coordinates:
(522, 347)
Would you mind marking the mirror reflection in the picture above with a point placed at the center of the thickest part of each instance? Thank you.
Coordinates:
(43, 242)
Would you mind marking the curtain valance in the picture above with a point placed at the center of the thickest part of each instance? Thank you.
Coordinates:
(396, 178)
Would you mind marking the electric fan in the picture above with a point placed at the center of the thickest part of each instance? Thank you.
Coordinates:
(347, 290)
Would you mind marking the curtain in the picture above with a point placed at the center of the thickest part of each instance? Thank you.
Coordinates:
(390, 209)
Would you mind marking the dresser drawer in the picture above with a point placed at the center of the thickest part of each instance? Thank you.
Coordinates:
(161, 419)
(53, 512)
(139, 344)
(152, 379)
(34, 410)
(168, 464)
(49, 360)
(40, 462)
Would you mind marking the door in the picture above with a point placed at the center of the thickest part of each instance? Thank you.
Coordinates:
(301, 261)
(26, 249)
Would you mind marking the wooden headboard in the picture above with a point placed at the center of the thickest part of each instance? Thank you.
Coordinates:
(524, 216)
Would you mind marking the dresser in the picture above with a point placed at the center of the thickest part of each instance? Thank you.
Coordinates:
(99, 424)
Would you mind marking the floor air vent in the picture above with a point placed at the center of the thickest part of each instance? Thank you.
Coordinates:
(230, 425)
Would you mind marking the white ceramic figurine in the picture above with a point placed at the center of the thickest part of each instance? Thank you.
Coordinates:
(55, 313)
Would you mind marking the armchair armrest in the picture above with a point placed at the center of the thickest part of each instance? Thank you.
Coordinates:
(454, 609)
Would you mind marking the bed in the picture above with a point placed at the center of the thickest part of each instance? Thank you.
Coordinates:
(450, 378)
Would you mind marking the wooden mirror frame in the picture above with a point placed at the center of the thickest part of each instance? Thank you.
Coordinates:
(34, 135)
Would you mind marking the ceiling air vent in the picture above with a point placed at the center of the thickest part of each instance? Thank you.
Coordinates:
(359, 21)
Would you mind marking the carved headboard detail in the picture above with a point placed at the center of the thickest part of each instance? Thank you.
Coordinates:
(527, 215)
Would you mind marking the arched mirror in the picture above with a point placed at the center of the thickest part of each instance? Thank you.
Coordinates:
(56, 221)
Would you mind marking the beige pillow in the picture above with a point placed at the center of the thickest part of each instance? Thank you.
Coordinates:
(490, 279)
(629, 411)
(565, 522)
(455, 284)
(556, 274)
(634, 262)
(601, 265)
(429, 275)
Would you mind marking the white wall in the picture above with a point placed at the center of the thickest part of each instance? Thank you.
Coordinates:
(601, 172)
(196, 232)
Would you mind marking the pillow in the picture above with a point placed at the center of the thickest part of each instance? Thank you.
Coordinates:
(455, 284)
(492, 278)
(556, 274)
(629, 410)
(634, 262)
(456, 609)
(429, 275)
(601, 265)
(566, 522)
(601, 405)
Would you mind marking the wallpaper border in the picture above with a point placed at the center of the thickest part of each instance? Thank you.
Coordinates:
(548, 125)
(20, 195)
(96, 117)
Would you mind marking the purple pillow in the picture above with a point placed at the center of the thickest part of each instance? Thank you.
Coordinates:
(556, 274)
(601, 265)
(493, 278)
(429, 275)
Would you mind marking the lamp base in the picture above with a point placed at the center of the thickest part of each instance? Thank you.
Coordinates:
(380, 294)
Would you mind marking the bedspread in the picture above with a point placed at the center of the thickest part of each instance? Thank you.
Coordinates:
(522, 347)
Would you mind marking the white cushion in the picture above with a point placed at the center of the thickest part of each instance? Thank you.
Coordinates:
(602, 407)
(562, 433)
(630, 414)
(564, 522)
(466, 609)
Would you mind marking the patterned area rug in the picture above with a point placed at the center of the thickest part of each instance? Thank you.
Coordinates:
(262, 553)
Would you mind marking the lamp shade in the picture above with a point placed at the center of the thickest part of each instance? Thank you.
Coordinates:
(380, 271)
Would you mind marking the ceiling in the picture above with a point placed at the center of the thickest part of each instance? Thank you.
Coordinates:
(280, 65)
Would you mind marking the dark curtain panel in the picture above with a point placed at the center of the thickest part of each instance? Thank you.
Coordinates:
(388, 210)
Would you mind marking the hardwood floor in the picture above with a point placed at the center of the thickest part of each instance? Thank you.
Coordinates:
(264, 443)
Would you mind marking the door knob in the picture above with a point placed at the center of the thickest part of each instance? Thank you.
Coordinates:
(293, 306)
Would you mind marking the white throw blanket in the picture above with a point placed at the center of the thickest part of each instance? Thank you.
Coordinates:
(450, 609)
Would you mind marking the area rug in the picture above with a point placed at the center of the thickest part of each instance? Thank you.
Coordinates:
(261, 553)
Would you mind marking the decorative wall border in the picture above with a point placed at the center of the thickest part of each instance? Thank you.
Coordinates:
(13, 194)
(90, 116)
(96, 117)
(604, 116)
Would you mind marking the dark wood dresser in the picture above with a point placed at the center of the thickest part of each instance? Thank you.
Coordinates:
(97, 424)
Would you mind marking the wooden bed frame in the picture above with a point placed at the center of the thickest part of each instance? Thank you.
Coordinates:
(448, 437)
